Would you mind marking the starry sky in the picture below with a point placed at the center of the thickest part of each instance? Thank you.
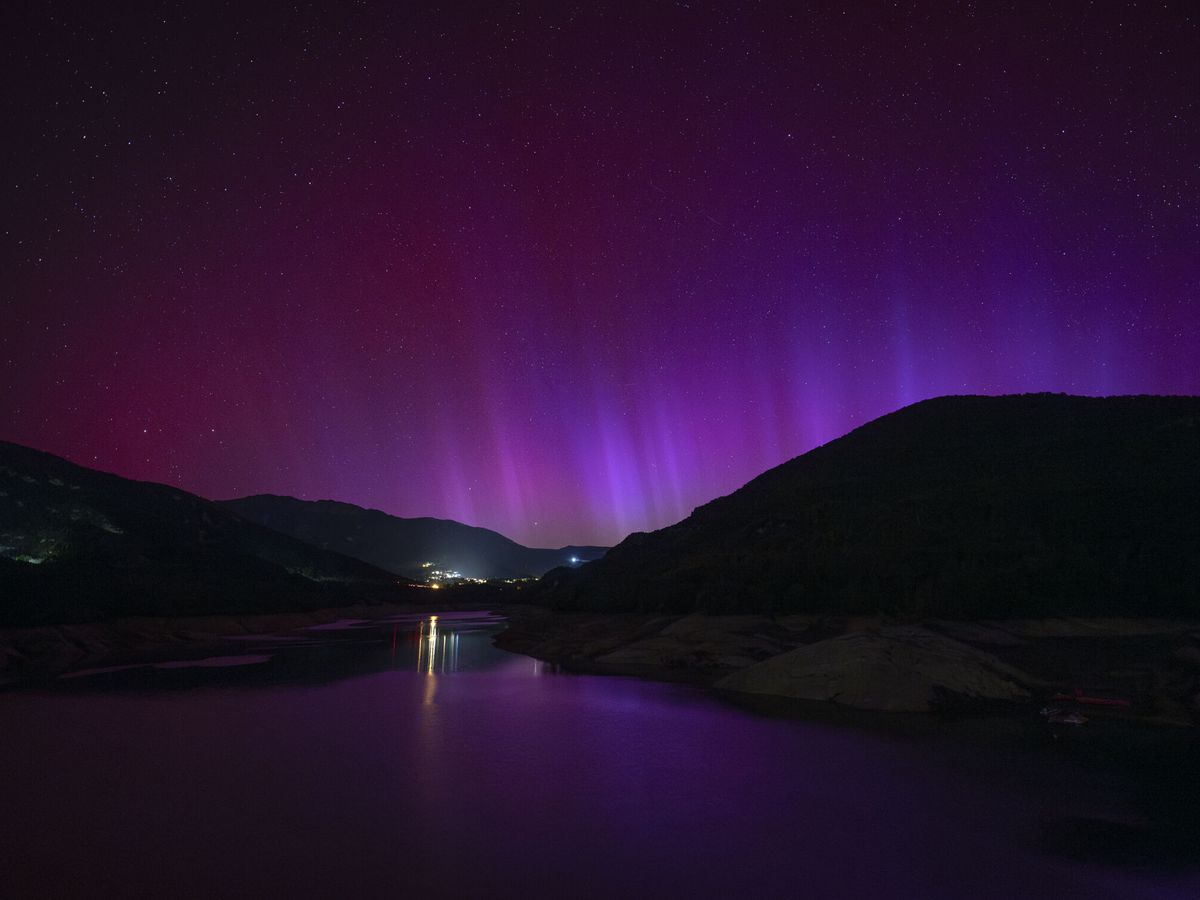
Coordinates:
(569, 270)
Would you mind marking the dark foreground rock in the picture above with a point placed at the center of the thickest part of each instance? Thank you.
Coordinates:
(870, 663)
(899, 669)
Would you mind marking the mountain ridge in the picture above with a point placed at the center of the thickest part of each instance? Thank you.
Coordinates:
(961, 505)
(402, 544)
(79, 544)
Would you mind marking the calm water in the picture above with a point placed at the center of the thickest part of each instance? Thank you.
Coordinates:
(410, 758)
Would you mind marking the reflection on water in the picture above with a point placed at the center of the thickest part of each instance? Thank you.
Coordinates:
(409, 757)
(431, 644)
(437, 650)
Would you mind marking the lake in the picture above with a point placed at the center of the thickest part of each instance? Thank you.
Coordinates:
(410, 758)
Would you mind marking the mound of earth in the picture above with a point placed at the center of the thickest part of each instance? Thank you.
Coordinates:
(898, 669)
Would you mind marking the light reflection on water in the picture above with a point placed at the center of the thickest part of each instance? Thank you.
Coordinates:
(410, 757)
(436, 650)
(430, 644)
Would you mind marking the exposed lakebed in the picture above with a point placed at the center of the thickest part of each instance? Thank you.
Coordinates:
(408, 756)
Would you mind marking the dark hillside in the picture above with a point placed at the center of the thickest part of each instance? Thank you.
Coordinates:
(401, 545)
(81, 545)
(959, 506)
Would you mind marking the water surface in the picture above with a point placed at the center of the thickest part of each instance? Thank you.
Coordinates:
(411, 758)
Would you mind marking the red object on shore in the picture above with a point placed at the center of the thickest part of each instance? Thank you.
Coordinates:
(1080, 697)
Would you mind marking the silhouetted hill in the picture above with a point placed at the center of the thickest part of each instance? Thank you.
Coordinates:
(959, 506)
(81, 545)
(402, 545)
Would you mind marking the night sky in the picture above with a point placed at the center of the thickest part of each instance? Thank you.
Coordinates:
(567, 271)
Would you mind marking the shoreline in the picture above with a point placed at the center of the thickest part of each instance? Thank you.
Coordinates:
(813, 663)
(43, 653)
(874, 664)
(1153, 759)
(1150, 752)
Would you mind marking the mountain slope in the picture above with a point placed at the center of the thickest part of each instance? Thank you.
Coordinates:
(77, 544)
(959, 506)
(402, 545)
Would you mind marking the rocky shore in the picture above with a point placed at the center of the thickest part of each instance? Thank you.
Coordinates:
(871, 663)
(868, 672)
(862, 663)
